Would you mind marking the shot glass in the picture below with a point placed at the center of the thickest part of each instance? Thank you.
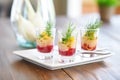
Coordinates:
(67, 45)
(89, 39)
(45, 42)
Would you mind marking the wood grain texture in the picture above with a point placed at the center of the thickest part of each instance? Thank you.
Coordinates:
(14, 68)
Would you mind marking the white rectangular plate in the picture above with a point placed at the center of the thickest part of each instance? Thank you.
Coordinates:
(52, 64)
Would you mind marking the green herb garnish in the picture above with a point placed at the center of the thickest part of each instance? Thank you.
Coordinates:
(92, 28)
(47, 31)
(48, 28)
(68, 33)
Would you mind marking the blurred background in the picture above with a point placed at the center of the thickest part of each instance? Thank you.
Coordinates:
(71, 8)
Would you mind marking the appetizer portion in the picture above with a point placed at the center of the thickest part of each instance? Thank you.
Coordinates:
(67, 42)
(89, 44)
(45, 39)
(90, 36)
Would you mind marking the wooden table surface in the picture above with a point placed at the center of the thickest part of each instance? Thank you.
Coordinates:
(15, 68)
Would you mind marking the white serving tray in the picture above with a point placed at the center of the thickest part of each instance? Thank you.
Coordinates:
(52, 64)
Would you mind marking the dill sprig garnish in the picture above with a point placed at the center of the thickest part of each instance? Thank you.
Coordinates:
(92, 28)
(48, 28)
(68, 33)
(47, 31)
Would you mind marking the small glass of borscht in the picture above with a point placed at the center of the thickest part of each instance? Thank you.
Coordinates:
(45, 41)
(67, 39)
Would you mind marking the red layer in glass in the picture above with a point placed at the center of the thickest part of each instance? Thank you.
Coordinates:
(46, 49)
(69, 52)
(87, 47)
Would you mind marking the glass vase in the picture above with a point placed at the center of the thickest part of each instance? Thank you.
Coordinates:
(27, 16)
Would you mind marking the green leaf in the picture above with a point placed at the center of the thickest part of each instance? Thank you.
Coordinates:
(48, 28)
(68, 33)
(108, 2)
(92, 28)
